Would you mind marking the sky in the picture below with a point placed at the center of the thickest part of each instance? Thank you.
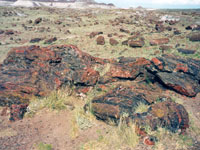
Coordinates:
(154, 3)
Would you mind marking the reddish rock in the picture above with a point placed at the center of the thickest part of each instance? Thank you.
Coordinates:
(157, 63)
(100, 40)
(127, 68)
(193, 27)
(181, 75)
(159, 41)
(29, 71)
(113, 42)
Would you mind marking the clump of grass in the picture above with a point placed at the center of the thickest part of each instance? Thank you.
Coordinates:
(43, 146)
(122, 136)
(141, 108)
(81, 121)
(57, 100)
(168, 140)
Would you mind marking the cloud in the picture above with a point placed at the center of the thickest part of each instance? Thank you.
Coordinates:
(174, 2)
(157, 2)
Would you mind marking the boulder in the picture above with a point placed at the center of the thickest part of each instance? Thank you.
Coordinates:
(167, 114)
(179, 74)
(100, 40)
(126, 69)
(35, 71)
(123, 101)
(159, 41)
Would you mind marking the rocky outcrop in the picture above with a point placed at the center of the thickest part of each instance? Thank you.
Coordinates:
(123, 101)
(179, 74)
(33, 70)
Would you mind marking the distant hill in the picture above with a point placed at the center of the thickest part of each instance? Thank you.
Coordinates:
(80, 4)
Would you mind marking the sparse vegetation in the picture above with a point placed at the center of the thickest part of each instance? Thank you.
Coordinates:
(119, 137)
(141, 108)
(57, 100)
(43, 146)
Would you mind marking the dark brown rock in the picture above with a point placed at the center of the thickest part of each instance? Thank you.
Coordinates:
(9, 32)
(100, 40)
(177, 32)
(1, 31)
(125, 42)
(165, 47)
(51, 40)
(93, 34)
(194, 37)
(38, 20)
(139, 43)
(167, 114)
(124, 30)
(159, 27)
(17, 111)
(186, 51)
(35, 40)
(113, 41)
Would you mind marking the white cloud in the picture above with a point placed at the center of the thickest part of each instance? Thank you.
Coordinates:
(175, 2)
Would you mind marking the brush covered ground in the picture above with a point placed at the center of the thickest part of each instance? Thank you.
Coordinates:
(59, 121)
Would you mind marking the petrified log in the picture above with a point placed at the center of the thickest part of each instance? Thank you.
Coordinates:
(166, 114)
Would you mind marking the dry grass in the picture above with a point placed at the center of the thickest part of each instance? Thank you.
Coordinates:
(141, 108)
(57, 100)
(119, 137)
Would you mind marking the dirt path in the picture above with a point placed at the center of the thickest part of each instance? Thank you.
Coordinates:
(47, 127)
